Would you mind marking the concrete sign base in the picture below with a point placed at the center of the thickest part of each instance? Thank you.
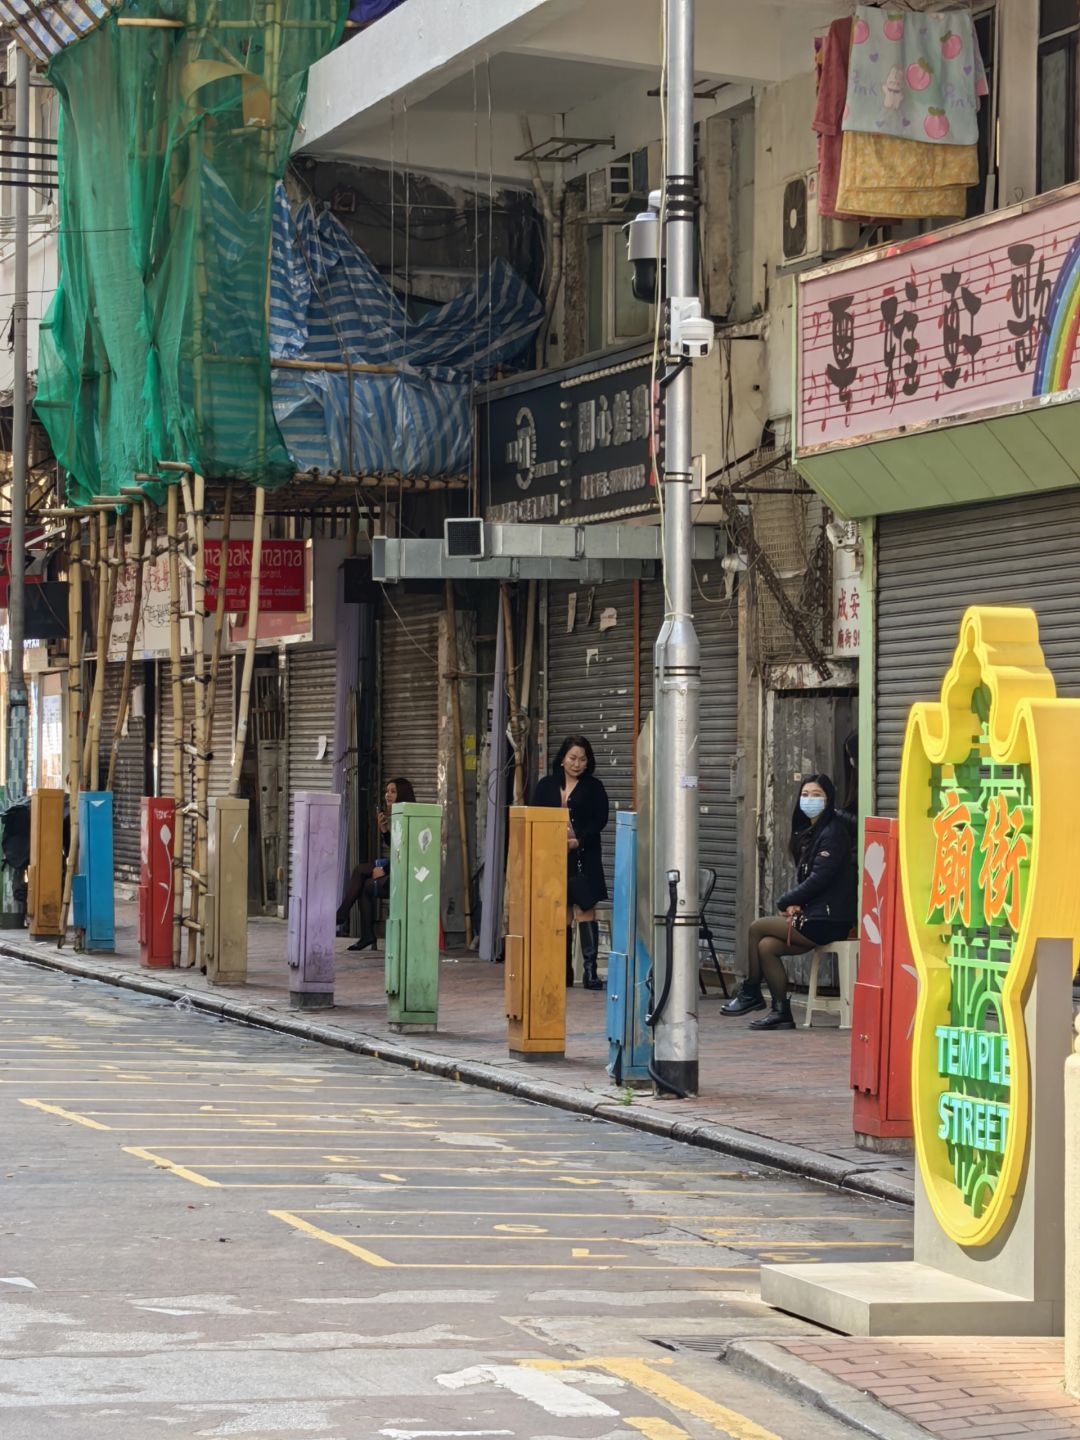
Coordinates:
(1013, 1286)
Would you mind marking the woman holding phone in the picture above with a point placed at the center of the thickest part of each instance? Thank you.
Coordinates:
(370, 881)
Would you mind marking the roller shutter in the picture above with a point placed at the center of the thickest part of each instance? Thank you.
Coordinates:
(130, 778)
(716, 623)
(409, 693)
(590, 684)
(311, 677)
(931, 566)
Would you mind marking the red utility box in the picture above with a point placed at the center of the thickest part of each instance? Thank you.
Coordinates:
(883, 1012)
(158, 838)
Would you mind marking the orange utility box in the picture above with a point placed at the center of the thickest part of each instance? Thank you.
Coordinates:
(535, 955)
(883, 1012)
(45, 877)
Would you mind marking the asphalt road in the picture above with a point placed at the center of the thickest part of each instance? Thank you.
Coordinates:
(213, 1231)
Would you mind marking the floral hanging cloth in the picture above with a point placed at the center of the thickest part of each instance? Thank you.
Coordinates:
(915, 76)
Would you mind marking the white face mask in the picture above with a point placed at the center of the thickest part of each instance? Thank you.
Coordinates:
(812, 806)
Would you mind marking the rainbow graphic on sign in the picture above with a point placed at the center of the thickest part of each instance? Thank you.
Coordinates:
(1057, 349)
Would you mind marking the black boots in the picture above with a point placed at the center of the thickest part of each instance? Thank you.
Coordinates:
(748, 997)
(590, 946)
(778, 1018)
(569, 957)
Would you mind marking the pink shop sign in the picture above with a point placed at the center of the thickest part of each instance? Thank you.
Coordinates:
(979, 319)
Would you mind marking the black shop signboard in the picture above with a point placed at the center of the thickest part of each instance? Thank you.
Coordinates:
(569, 445)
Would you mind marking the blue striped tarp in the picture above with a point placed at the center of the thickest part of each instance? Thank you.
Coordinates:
(329, 303)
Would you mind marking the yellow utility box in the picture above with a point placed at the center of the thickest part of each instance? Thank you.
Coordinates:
(535, 958)
(45, 878)
(226, 899)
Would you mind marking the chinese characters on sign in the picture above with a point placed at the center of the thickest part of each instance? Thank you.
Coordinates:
(981, 853)
(576, 446)
(847, 607)
(939, 328)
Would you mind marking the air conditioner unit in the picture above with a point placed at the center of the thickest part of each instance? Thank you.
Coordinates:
(805, 235)
(612, 187)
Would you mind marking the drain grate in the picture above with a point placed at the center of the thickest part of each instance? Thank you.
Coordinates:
(715, 1345)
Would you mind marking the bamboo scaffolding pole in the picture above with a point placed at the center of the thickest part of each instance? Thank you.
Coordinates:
(92, 746)
(459, 759)
(244, 708)
(511, 687)
(172, 525)
(74, 711)
(202, 736)
(527, 657)
(138, 560)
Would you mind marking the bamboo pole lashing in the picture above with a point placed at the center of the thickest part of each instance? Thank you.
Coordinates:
(459, 759)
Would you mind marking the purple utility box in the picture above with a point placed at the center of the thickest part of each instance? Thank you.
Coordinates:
(313, 900)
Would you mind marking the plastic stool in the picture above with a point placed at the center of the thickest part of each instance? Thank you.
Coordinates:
(847, 961)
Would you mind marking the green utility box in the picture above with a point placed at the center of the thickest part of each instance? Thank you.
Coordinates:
(412, 931)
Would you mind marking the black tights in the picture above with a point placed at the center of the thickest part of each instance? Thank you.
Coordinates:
(768, 943)
(362, 887)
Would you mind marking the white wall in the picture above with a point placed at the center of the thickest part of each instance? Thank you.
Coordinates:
(42, 283)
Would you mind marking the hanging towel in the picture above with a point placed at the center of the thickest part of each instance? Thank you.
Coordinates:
(829, 112)
(881, 175)
(915, 76)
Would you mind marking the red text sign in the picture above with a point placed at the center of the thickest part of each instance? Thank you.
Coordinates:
(978, 319)
(281, 584)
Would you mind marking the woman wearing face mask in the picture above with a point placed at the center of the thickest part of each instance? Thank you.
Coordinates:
(818, 911)
(368, 883)
(573, 786)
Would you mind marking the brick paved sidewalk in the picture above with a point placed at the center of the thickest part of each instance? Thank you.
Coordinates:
(791, 1089)
(956, 1389)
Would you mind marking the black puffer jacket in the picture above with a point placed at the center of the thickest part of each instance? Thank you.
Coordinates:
(825, 875)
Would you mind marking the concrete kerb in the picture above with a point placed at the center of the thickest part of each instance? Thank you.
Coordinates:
(778, 1368)
(740, 1144)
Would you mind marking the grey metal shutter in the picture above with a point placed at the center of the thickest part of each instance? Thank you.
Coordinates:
(311, 681)
(931, 566)
(716, 623)
(591, 686)
(129, 781)
(409, 693)
(224, 726)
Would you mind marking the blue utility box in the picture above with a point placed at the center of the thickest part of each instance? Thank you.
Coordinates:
(629, 1038)
(92, 898)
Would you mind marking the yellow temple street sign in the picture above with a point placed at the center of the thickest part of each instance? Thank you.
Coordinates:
(990, 871)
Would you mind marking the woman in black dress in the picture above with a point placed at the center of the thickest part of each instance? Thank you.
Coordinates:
(819, 910)
(573, 786)
(368, 883)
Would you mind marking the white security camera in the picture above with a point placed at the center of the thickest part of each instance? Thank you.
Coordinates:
(643, 250)
(692, 334)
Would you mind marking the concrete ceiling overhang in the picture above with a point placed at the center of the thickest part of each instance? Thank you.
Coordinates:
(540, 57)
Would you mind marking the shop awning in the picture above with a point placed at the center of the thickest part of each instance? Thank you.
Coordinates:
(45, 27)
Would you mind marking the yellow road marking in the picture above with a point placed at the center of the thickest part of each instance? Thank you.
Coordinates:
(163, 1164)
(642, 1376)
(64, 1114)
(655, 1429)
(336, 1240)
(585, 1254)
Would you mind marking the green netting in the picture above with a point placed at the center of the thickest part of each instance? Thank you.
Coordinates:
(171, 140)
